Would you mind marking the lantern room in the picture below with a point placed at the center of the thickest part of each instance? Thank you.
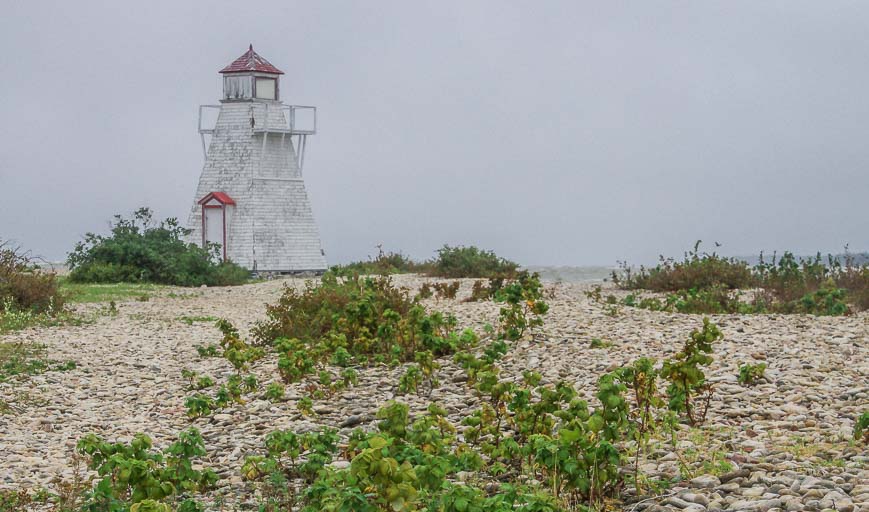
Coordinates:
(251, 77)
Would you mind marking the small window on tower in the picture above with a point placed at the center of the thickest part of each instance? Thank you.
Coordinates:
(265, 88)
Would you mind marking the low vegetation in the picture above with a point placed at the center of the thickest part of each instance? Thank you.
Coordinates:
(28, 295)
(75, 292)
(139, 251)
(751, 374)
(530, 447)
(459, 262)
(357, 320)
(450, 262)
(708, 284)
(19, 360)
(136, 478)
(385, 263)
(861, 428)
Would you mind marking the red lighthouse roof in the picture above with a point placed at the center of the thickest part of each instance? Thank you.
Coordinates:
(251, 61)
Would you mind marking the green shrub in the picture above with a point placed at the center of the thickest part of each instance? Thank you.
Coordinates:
(750, 374)
(688, 390)
(704, 283)
(696, 271)
(861, 428)
(523, 305)
(361, 320)
(139, 251)
(134, 473)
(385, 264)
(459, 261)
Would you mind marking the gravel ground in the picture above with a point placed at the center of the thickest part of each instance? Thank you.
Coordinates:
(786, 441)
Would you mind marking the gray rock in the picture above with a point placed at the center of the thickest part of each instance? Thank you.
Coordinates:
(705, 482)
(351, 421)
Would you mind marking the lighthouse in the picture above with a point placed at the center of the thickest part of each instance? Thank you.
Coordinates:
(251, 199)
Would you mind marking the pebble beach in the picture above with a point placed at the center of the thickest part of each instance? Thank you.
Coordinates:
(783, 444)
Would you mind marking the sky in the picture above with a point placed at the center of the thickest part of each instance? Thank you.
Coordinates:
(555, 133)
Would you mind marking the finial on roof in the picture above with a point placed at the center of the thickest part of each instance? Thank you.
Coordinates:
(251, 47)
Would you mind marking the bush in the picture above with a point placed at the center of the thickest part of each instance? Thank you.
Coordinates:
(459, 261)
(354, 320)
(695, 271)
(750, 374)
(385, 264)
(138, 251)
(451, 262)
(705, 283)
(134, 474)
(23, 286)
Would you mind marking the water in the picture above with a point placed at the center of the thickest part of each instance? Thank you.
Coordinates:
(573, 274)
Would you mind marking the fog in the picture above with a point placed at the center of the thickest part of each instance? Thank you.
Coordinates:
(555, 133)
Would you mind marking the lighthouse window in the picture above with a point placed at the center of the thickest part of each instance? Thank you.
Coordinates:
(237, 87)
(265, 88)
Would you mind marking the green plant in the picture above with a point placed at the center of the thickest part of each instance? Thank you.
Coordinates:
(524, 306)
(210, 350)
(696, 271)
(354, 321)
(27, 358)
(199, 405)
(750, 374)
(706, 283)
(687, 382)
(190, 320)
(459, 261)
(385, 263)
(139, 251)
(861, 428)
(235, 350)
(599, 343)
(133, 473)
(305, 406)
(274, 391)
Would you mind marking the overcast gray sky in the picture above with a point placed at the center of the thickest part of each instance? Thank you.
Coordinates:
(551, 132)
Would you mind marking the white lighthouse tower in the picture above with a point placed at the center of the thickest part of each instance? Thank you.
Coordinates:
(251, 198)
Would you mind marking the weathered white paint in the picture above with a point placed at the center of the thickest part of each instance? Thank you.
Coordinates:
(272, 227)
(214, 225)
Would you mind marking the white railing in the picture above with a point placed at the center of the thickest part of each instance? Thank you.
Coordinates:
(296, 119)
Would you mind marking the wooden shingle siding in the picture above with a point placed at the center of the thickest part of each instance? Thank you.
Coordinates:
(272, 227)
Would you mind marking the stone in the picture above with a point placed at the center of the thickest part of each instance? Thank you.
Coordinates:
(705, 482)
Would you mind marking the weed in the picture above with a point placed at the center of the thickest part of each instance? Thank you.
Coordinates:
(524, 306)
(26, 358)
(861, 428)
(134, 474)
(599, 343)
(688, 391)
(274, 392)
(705, 283)
(305, 406)
(353, 321)
(190, 320)
(751, 374)
(384, 264)
(447, 290)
